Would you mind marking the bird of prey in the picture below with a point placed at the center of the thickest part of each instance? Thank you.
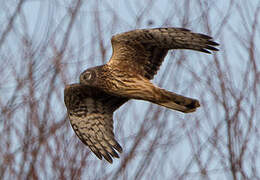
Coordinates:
(137, 56)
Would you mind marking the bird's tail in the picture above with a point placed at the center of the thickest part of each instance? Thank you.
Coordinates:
(142, 89)
(177, 102)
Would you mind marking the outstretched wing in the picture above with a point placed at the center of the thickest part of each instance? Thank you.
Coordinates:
(142, 51)
(90, 111)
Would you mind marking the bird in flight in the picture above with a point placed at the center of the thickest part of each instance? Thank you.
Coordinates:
(137, 56)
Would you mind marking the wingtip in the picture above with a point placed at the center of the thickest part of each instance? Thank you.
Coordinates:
(118, 148)
(212, 48)
(213, 43)
(205, 51)
(108, 158)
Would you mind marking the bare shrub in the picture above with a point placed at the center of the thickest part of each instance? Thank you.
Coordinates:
(47, 44)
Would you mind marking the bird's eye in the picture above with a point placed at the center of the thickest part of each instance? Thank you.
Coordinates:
(87, 76)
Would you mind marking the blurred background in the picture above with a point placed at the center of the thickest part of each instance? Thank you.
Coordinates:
(47, 44)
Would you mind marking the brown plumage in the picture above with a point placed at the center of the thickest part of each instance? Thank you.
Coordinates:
(137, 56)
(91, 115)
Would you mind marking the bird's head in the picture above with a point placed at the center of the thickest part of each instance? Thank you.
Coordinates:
(88, 77)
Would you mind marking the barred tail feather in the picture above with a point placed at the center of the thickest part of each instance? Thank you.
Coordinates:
(142, 89)
(178, 102)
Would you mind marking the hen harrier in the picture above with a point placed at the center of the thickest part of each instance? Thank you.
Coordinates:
(137, 56)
